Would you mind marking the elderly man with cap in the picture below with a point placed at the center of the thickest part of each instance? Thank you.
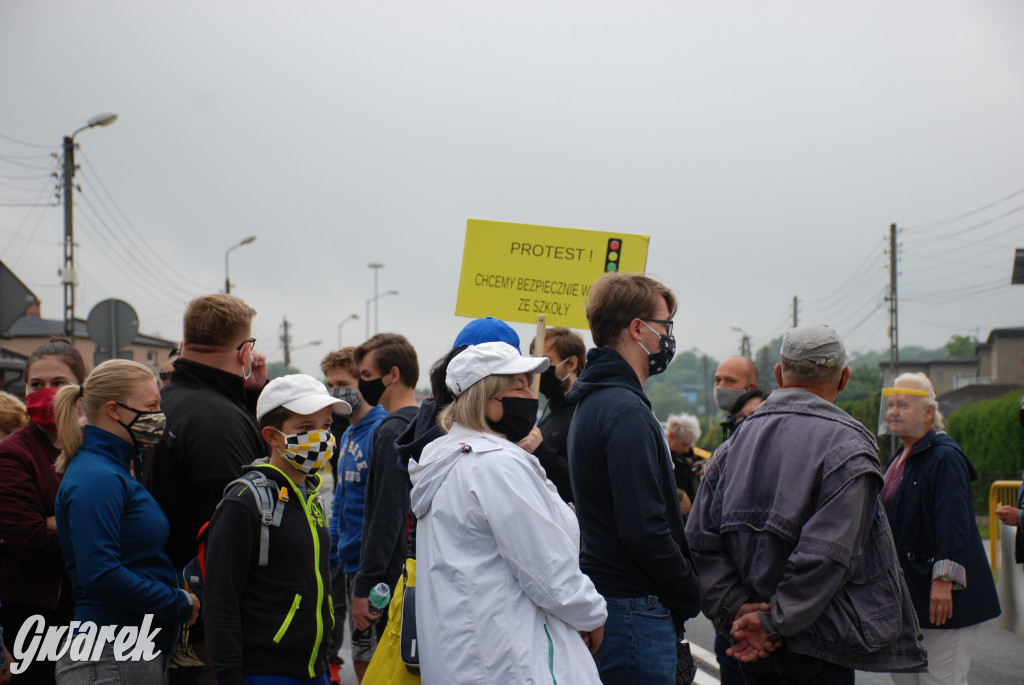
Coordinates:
(795, 555)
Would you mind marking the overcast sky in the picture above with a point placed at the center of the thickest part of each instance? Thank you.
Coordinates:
(765, 147)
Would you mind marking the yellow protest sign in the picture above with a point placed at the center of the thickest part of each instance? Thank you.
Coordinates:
(516, 272)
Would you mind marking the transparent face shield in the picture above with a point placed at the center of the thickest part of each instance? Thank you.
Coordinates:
(901, 412)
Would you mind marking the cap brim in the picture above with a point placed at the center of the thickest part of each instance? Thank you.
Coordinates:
(522, 365)
(314, 403)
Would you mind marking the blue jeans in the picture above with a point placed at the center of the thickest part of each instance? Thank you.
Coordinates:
(783, 667)
(639, 646)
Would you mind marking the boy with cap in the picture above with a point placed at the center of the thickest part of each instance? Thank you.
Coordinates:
(267, 612)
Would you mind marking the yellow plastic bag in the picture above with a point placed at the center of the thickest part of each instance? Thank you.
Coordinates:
(386, 667)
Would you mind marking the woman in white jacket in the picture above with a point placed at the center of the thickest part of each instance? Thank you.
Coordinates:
(500, 596)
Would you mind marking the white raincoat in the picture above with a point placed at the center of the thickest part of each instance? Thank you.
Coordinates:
(500, 597)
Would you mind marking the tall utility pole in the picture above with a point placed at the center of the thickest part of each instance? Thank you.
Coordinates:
(376, 307)
(707, 388)
(286, 341)
(67, 274)
(794, 312)
(894, 322)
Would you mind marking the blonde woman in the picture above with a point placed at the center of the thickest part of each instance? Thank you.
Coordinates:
(928, 497)
(111, 529)
(12, 414)
(500, 595)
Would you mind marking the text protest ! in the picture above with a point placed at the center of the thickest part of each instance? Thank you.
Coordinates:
(516, 272)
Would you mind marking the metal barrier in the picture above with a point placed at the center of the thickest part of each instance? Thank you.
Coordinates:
(1002, 493)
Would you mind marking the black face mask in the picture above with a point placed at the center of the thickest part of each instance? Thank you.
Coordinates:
(372, 391)
(518, 420)
(659, 361)
(551, 384)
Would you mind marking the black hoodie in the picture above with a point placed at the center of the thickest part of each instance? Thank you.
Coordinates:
(633, 544)
(420, 432)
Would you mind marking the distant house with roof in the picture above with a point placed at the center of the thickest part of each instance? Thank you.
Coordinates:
(995, 370)
(31, 331)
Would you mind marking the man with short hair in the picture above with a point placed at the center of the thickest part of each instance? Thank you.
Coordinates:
(633, 545)
(735, 383)
(388, 371)
(355, 450)
(211, 433)
(795, 555)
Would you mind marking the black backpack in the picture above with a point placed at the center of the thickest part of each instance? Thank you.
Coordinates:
(270, 500)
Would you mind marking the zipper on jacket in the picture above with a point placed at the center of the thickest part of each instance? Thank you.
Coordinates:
(551, 655)
(319, 582)
(288, 619)
(311, 494)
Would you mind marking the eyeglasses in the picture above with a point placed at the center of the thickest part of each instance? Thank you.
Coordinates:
(251, 341)
(667, 324)
(165, 375)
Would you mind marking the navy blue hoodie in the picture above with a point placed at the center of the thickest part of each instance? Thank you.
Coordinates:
(633, 543)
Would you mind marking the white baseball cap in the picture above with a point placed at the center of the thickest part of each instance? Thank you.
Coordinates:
(476, 362)
(299, 393)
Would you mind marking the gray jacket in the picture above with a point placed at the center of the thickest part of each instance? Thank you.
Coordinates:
(789, 515)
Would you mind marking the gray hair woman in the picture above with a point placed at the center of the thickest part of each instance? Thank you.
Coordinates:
(928, 497)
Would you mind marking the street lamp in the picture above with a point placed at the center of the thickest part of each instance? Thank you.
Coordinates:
(340, 325)
(227, 281)
(374, 300)
(67, 274)
(376, 311)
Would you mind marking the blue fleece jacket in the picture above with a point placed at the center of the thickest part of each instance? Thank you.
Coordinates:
(355, 449)
(113, 534)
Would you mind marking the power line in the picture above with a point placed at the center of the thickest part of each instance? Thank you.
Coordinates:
(22, 142)
(94, 174)
(145, 280)
(144, 252)
(961, 231)
(860, 272)
(29, 177)
(8, 160)
(16, 187)
(33, 156)
(25, 221)
(943, 222)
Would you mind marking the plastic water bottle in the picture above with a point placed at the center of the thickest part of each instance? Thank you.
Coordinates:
(380, 597)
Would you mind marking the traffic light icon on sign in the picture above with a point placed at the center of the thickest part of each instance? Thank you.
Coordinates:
(611, 260)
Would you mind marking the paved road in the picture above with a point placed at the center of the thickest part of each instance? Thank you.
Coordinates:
(998, 659)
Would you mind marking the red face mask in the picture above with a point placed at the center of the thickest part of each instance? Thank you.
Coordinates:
(39, 405)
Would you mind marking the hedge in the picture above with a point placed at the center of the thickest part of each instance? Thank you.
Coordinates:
(989, 432)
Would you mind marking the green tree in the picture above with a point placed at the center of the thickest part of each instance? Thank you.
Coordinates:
(276, 369)
(989, 433)
(766, 359)
(865, 380)
(681, 388)
(962, 346)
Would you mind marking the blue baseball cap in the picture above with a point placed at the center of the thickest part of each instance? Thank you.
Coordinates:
(487, 330)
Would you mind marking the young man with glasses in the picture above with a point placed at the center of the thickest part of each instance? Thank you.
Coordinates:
(211, 428)
(632, 541)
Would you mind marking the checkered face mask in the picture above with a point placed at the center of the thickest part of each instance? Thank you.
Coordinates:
(308, 451)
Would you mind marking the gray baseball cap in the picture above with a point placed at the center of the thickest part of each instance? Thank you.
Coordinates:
(816, 342)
